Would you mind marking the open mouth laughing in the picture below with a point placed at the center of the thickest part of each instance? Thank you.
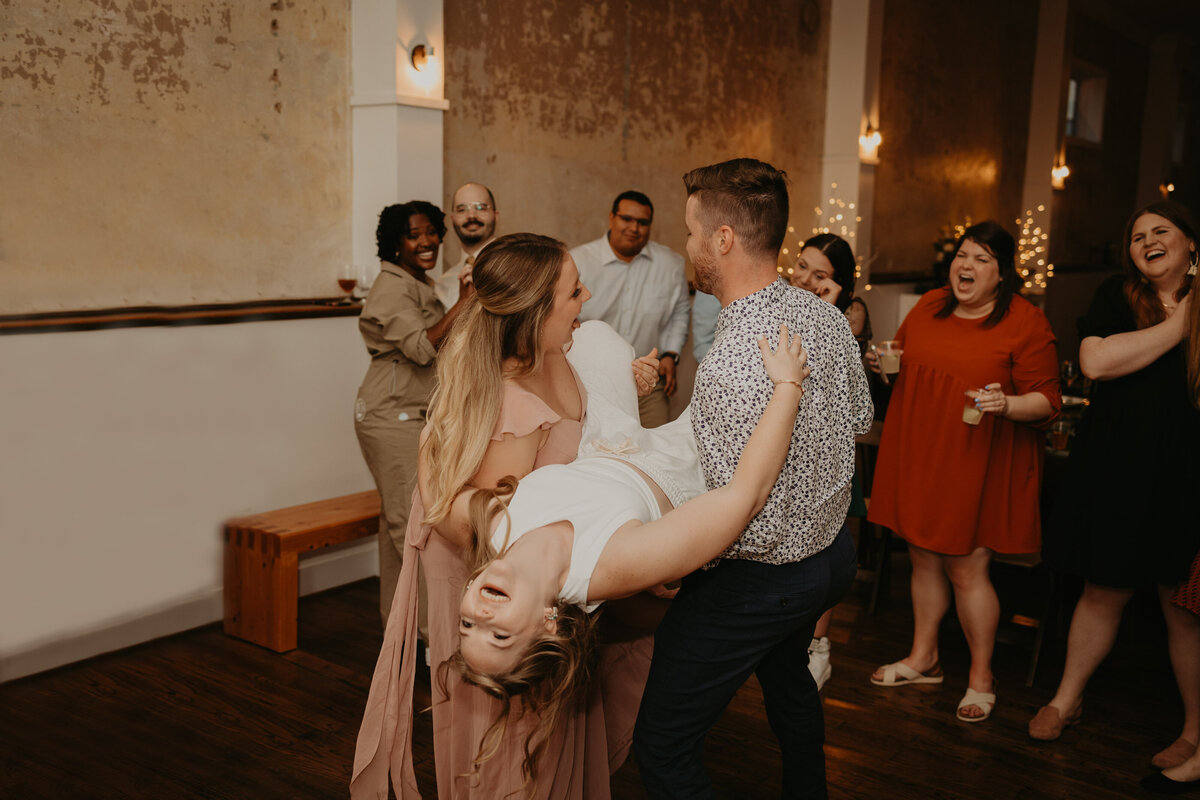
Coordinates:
(494, 594)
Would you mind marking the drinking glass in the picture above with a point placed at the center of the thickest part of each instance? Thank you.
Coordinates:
(1069, 374)
(347, 278)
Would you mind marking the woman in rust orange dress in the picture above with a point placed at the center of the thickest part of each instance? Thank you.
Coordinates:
(960, 459)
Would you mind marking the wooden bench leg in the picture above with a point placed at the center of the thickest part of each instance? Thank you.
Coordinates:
(261, 591)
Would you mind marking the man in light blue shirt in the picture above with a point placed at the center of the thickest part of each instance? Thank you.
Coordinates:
(705, 310)
(640, 288)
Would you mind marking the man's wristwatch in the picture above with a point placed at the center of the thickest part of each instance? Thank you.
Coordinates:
(673, 356)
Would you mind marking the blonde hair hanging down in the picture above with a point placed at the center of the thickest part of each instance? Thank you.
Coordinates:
(498, 335)
(550, 680)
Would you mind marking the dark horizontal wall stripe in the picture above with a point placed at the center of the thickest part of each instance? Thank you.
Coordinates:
(154, 316)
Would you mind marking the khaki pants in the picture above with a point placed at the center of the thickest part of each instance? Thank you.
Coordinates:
(390, 450)
(654, 408)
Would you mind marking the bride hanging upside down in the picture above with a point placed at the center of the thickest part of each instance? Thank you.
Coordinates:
(570, 537)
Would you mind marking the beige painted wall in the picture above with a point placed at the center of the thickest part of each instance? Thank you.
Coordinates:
(155, 153)
(559, 107)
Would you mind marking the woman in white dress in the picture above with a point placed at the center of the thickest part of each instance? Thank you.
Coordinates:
(610, 524)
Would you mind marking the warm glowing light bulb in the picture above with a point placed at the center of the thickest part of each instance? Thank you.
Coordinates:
(1058, 176)
(868, 146)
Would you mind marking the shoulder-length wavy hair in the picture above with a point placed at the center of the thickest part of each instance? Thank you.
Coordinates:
(991, 236)
(1148, 310)
(498, 334)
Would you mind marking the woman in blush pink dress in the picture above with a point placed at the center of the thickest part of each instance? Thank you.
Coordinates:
(508, 402)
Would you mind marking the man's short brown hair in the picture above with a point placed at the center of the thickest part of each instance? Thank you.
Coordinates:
(748, 195)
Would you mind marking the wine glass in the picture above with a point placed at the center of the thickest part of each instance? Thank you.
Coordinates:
(1069, 374)
(347, 279)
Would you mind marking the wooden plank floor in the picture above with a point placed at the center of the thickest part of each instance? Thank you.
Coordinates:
(201, 715)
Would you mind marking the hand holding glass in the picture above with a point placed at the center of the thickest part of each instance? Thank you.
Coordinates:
(889, 357)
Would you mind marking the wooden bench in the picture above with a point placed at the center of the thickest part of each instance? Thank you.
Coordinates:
(262, 569)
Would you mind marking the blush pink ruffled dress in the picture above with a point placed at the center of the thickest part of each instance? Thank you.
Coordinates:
(588, 746)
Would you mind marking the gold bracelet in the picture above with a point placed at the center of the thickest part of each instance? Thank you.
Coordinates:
(797, 384)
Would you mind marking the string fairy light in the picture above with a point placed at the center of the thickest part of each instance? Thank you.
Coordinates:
(833, 216)
(1033, 252)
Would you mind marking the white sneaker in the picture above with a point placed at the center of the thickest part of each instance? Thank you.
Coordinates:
(818, 661)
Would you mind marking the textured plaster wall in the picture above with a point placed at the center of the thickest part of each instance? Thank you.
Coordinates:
(954, 111)
(171, 152)
(559, 107)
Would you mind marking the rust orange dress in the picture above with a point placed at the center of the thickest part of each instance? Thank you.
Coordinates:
(947, 486)
(589, 744)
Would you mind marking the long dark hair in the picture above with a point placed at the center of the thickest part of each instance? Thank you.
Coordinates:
(991, 236)
(841, 258)
(1143, 299)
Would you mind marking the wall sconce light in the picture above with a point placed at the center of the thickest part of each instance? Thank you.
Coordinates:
(420, 56)
(1058, 176)
(868, 146)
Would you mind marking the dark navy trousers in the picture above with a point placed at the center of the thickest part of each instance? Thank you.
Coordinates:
(726, 623)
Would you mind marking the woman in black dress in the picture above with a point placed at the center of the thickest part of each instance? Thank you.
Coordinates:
(1123, 519)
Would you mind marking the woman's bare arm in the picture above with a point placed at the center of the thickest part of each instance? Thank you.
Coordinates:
(640, 556)
(1102, 358)
(1028, 407)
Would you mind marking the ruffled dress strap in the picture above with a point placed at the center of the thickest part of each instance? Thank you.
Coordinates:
(522, 412)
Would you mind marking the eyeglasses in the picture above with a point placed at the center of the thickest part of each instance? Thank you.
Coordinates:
(463, 208)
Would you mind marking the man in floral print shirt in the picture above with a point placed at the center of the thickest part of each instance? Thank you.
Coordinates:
(753, 610)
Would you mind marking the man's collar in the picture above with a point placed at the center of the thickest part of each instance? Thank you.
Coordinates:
(617, 257)
(469, 252)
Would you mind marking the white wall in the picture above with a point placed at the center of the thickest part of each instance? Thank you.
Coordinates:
(888, 302)
(123, 452)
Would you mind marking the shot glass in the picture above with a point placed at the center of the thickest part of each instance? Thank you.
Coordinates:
(971, 413)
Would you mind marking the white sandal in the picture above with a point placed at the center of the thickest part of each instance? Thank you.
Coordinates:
(985, 701)
(901, 674)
